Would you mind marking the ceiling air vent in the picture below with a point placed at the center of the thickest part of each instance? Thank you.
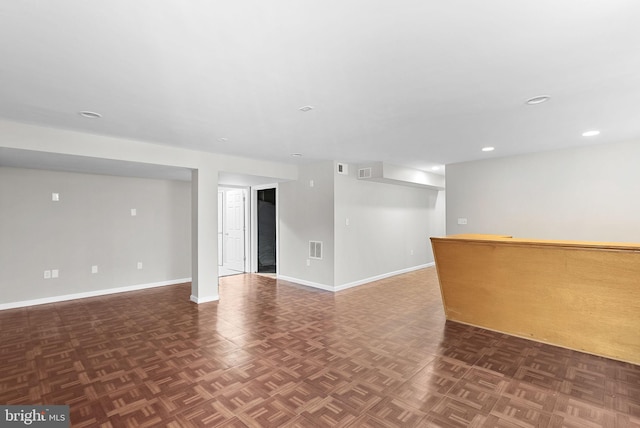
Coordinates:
(315, 249)
(364, 173)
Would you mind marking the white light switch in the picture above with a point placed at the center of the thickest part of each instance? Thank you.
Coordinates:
(134, 212)
(55, 197)
(139, 265)
(347, 221)
(94, 269)
(54, 273)
(311, 183)
(47, 274)
(462, 220)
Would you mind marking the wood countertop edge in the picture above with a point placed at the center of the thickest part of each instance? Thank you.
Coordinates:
(507, 240)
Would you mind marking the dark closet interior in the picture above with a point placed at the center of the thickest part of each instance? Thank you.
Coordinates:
(267, 230)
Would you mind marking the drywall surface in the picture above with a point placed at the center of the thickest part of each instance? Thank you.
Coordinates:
(305, 209)
(14, 135)
(382, 228)
(368, 229)
(589, 193)
(205, 168)
(91, 225)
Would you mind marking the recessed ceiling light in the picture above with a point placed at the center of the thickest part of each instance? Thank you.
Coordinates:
(296, 155)
(90, 114)
(488, 149)
(223, 139)
(306, 108)
(538, 100)
(590, 133)
(435, 168)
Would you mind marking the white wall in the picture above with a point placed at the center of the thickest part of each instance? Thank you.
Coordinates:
(90, 225)
(590, 193)
(389, 227)
(306, 214)
(205, 169)
(387, 223)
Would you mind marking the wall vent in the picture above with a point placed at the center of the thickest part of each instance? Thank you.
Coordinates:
(383, 172)
(343, 169)
(364, 173)
(315, 249)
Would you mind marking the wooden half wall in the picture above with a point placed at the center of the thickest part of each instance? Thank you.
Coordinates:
(578, 295)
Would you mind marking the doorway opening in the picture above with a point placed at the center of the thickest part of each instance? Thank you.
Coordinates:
(266, 231)
(231, 231)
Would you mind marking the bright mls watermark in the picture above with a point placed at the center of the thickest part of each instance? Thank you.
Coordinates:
(36, 416)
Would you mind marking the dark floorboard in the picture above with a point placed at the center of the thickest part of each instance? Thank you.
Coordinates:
(274, 354)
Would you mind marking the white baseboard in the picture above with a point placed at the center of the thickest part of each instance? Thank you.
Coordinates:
(55, 299)
(307, 283)
(355, 283)
(207, 299)
(382, 276)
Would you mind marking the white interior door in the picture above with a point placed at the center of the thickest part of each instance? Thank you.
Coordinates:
(234, 230)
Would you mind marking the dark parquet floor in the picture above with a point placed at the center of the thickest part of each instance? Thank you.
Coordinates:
(274, 354)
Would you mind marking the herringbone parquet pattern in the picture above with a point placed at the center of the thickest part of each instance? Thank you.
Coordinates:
(274, 354)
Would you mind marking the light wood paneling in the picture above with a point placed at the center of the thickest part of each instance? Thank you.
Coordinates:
(580, 295)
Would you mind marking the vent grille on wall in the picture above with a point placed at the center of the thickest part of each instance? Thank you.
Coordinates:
(383, 172)
(364, 173)
(315, 249)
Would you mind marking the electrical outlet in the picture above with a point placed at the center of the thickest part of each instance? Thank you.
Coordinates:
(94, 269)
(134, 212)
(139, 265)
(55, 273)
(462, 220)
(55, 197)
(411, 252)
(311, 183)
(47, 274)
(308, 262)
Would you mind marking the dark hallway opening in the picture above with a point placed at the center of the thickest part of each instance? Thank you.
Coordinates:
(267, 231)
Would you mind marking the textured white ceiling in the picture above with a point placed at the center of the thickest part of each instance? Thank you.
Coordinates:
(411, 82)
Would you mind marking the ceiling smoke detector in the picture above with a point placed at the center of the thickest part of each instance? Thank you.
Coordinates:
(90, 114)
(538, 100)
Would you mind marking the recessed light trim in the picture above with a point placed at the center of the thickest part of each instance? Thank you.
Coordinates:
(223, 139)
(306, 108)
(538, 99)
(296, 155)
(90, 114)
(488, 149)
(591, 133)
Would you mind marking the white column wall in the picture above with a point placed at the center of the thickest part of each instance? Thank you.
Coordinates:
(204, 235)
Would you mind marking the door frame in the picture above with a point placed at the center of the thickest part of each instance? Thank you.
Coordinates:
(220, 227)
(254, 226)
(247, 221)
